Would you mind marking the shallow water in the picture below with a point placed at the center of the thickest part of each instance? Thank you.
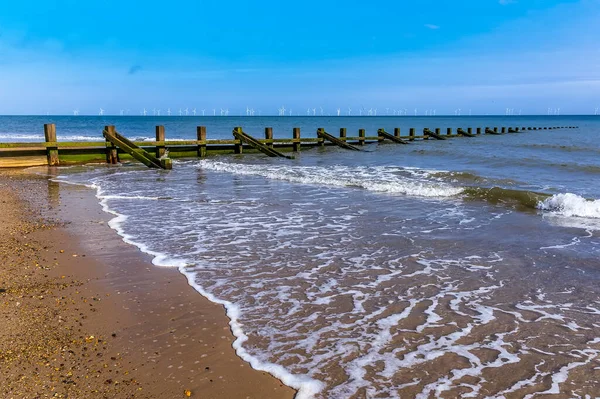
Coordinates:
(395, 272)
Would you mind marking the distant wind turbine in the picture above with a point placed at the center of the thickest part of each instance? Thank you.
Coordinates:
(349, 111)
(203, 112)
(338, 111)
(75, 112)
(101, 112)
(169, 112)
(187, 112)
(144, 112)
(321, 108)
(194, 112)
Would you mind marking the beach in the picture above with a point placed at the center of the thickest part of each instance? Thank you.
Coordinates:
(85, 315)
(465, 267)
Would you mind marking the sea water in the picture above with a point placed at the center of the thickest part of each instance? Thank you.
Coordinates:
(379, 273)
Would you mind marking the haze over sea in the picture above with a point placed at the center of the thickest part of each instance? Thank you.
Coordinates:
(393, 272)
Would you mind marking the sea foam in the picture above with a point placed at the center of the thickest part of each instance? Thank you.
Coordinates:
(377, 178)
(571, 205)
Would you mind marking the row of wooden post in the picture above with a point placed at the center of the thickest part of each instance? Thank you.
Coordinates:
(112, 154)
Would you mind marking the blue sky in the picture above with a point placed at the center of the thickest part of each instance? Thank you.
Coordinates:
(484, 55)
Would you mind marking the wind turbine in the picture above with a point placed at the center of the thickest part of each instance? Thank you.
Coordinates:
(314, 111)
(122, 112)
(169, 111)
(194, 112)
(416, 112)
(187, 112)
(349, 111)
(180, 112)
(203, 112)
(596, 111)
(101, 112)
(144, 112)
(214, 112)
(290, 112)
(153, 111)
(158, 112)
(321, 110)
(375, 112)
(338, 111)
(76, 112)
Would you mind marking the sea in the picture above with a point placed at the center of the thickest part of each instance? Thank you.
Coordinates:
(440, 269)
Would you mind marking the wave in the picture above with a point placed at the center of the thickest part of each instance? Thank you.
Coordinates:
(376, 178)
(40, 137)
(571, 205)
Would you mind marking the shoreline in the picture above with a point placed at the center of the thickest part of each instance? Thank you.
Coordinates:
(146, 341)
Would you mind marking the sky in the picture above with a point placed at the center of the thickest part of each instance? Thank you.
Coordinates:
(482, 56)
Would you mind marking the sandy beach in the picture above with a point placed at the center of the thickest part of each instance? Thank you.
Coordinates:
(85, 315)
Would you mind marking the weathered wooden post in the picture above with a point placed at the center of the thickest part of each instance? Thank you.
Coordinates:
(201, 137)
(343, 133)
(51, 146)
(478, 130)
(380, 137)
(495, 129)
(396, 132)
(503, 129)
(112, 157)
(425, 135)
(523, 128)
(269, 136)
(321, 139)
(296, 143)
(160, 137)
(448, 131)
(411, 133)
(470, 130)
(361, 136)
(238, 147)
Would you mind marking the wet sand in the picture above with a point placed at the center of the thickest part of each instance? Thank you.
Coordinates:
(85, 315)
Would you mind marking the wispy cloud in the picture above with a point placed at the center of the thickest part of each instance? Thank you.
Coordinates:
(135, 69)
(432, 26)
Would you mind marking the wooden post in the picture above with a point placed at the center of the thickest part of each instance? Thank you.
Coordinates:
(396, 132)
(361, 136)
(411, 134)
(448, 131)
(321, 139)
(478, 130)
(503, 130)
(496, 129)
(296, 137)
(112, 157)
(343, 134)
(523, 128)
(201, 137)
(269, 136)
(238, 147)
(160, 136)
(470, 130)
(51, 149)
(380, 138)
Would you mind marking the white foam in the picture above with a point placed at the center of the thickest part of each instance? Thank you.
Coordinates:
(571, 205)
(377, 179)
(41, 138)
(307, 387)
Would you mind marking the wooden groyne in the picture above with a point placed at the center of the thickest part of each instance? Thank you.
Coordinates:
(118, 148)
